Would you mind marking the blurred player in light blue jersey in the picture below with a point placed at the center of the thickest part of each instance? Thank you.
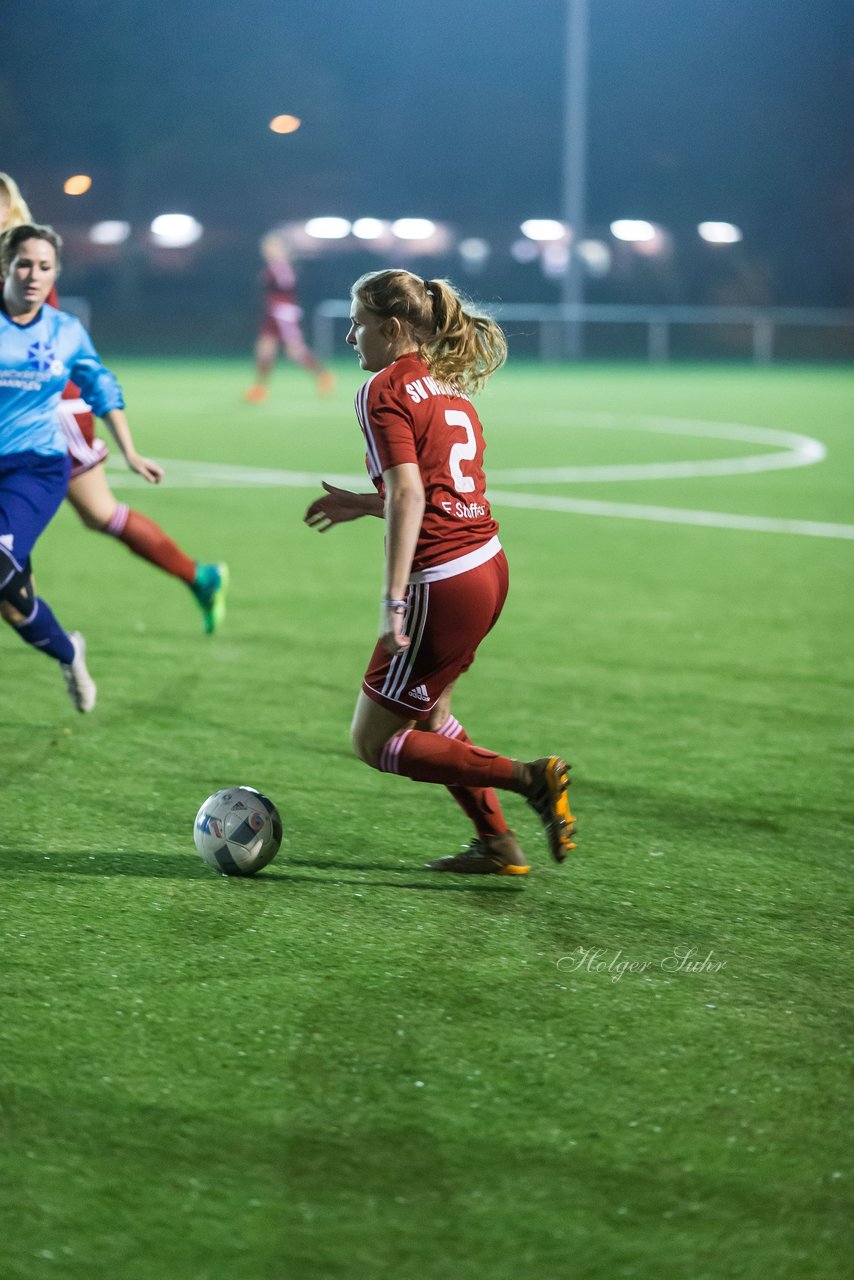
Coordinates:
(40, 349)
(89, 492)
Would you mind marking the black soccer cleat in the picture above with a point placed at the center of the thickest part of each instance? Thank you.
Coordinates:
(498, 855)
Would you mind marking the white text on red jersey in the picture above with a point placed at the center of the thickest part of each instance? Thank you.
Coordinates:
(465, 510)
(424, 387)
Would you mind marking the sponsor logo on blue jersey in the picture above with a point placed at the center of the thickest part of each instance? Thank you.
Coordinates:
(41, 356)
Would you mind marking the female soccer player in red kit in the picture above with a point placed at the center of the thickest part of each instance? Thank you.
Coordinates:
(281, 324)
(446, 575)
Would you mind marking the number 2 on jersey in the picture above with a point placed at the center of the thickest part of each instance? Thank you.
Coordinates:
(462, 452)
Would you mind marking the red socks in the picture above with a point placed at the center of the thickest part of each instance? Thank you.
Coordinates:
(450, 757)
(147, 539)
(480, 804)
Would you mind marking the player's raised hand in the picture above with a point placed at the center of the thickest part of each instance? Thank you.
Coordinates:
(144, 467)
(336, 507)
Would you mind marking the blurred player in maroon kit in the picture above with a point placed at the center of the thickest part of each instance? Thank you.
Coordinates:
(88, 489)
(446, 574)
(281, 323)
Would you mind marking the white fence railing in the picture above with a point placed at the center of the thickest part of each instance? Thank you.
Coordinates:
(560, 324)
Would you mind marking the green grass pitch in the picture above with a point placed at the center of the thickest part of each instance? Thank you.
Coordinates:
(348, 1068)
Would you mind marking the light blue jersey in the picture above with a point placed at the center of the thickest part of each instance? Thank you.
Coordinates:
(36, 362)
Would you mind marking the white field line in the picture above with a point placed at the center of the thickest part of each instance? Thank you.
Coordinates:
(671, 515)
(204, 475)
(184, 474)
(795, 451)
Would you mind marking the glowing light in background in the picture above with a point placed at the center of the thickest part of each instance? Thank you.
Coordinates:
(555, 259)
(413, 228)
(596, 256)
(176, 230)
(327, 228)
(474, 251)
(77, 185)
(632, 230)
(114, 232)
(524, 251)
(720, 232)
(285, 124)
(543, 229)
(368, 228)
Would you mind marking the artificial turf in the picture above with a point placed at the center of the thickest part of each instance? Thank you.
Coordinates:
(633, 1065)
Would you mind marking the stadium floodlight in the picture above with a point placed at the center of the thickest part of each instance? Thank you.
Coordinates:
(77, 185)
(176, 230)
(524, 251)
(413, 228)
(110, 232)
(368, 228)
(544, 229)
(327, 228)
(554, 259)
(633, 230)
(720, 232)
(596, 256)
(474, 251)
(285, 124)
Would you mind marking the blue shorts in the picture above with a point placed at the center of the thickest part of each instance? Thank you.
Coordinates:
(32, 486)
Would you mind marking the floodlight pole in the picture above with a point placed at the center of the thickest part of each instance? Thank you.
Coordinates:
(575, 162)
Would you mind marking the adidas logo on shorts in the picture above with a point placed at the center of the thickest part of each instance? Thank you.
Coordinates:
(420, 693)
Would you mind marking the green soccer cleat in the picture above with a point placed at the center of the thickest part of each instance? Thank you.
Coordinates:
(209, 589)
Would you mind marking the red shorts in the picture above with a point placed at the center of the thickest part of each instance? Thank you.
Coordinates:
(78, 425)
(446, 621)
(282, 321)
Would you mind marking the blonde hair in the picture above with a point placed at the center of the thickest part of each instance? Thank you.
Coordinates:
(273, 242)
(19, 211)
(458, 343)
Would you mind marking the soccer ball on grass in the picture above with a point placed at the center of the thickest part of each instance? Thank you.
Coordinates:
(238, 831)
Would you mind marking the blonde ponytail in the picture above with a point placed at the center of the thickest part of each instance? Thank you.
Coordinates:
(19, 212)
(459, 344)
(467, 346)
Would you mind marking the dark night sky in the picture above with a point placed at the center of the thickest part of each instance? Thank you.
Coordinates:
(730, 109)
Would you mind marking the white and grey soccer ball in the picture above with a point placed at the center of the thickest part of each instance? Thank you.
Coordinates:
(238, 831)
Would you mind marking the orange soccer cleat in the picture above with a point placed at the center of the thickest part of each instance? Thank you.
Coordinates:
(256, 394)
(547, 797)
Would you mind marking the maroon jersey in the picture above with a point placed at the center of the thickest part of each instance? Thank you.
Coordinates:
(280, 282)
(407, 415)
(76, 420)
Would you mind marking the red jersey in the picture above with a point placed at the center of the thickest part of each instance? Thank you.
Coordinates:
(280, 282)
(76, 420)
(407, 415)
